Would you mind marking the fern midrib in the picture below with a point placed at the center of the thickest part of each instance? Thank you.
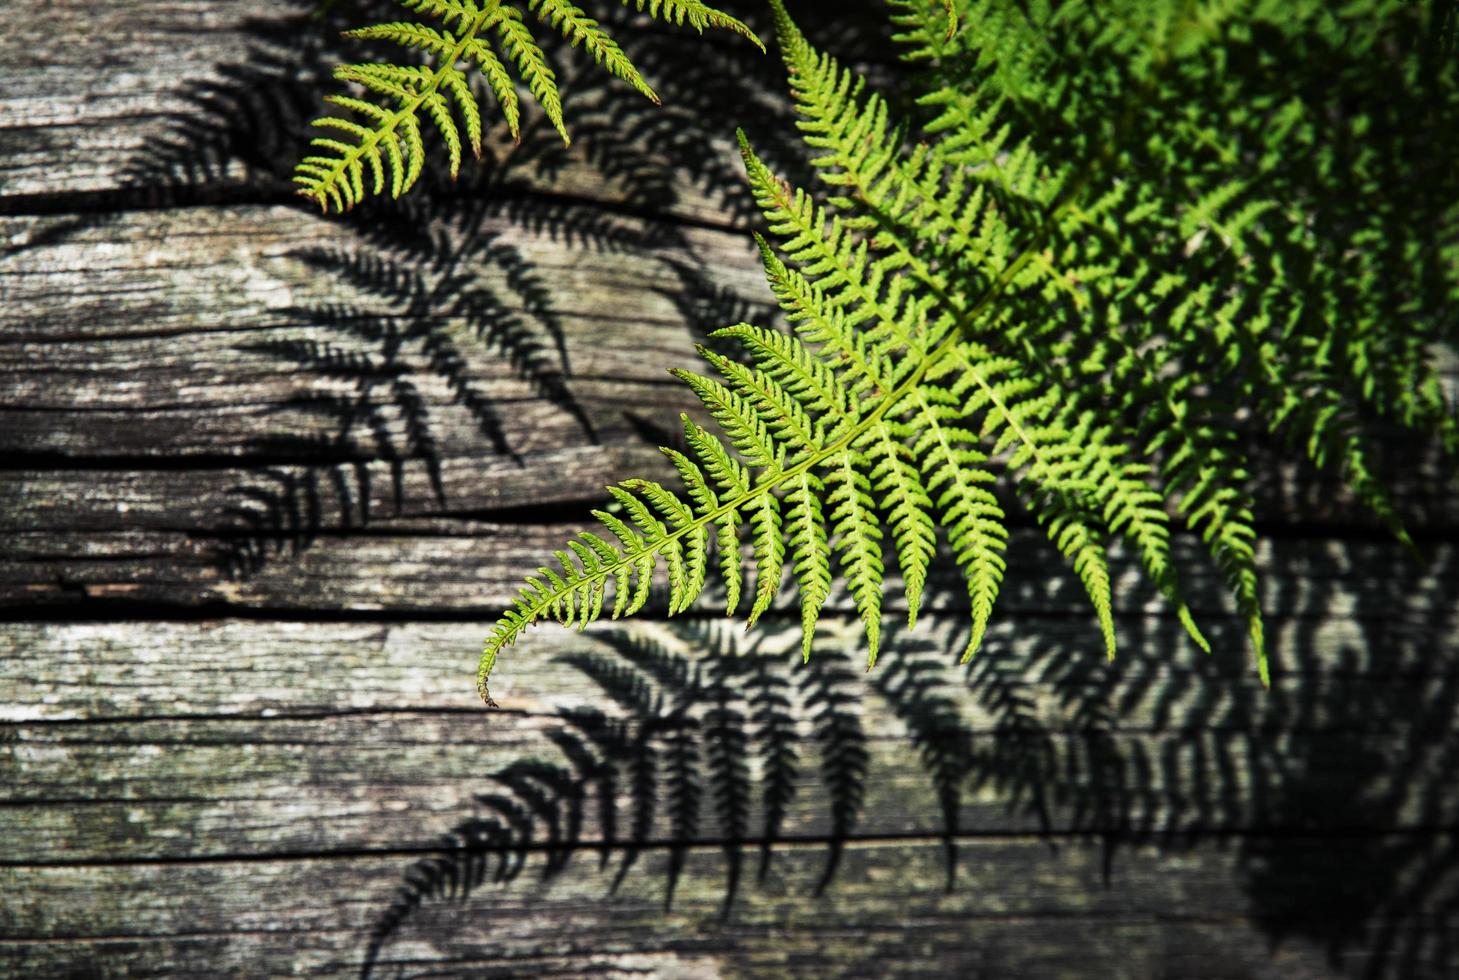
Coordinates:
(768, 480)
(965, 318)
(949, 345)
(410, 108)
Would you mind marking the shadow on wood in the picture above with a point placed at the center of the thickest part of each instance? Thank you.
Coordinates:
(423, 276)
(423, 299)
(1332, 790)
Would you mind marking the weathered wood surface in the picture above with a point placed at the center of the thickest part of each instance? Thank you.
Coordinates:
(176, 781)
(264, 478)
(1140, 922)
(157, 101)
(151, 733)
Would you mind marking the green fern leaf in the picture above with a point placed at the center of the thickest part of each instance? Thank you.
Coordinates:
(520, 47)
(811, 551)
(389, 139)
(860, 542)
(697, 14)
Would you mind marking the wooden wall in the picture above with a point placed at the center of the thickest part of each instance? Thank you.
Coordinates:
(265, 476)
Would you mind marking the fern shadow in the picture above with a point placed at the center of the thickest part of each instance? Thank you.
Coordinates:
(1332, 792)
(1374, 866)
(1334, 784)
(694, 742)
(405, 318)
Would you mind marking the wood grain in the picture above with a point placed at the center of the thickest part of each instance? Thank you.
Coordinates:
(265, 477)
(189, 740)
(884, 917)
(158, 102)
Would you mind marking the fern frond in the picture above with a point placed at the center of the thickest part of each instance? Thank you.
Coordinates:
(811, 550)
(1231, 191)
(1037, 289)
(795, 431)
(389, 140)
(519, 47)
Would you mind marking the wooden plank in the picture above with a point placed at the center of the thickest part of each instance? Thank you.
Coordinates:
(233, 271)
(122, 671)
(75, 75)
(227, 341)
(284, 540)
(202, 735)
(194, 740)
(208, 790)
(1020, 910)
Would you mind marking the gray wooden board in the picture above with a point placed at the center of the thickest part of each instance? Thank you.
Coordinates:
(187, 740)
(1157, 914)
(219, 338)
(287, 539)
(87, 89)
(260, 748)
(240, 270)
(265, 476)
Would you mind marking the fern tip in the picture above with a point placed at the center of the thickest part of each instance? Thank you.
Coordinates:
(482, 673)
(316, 197)
(1183, 614)
(1406, 542)
(784, 26)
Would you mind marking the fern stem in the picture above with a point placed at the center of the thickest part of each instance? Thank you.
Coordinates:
(408, 108)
